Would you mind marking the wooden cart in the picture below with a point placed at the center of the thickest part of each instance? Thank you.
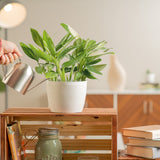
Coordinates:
(83, 128)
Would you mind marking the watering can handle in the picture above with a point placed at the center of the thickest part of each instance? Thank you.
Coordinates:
(4, 70)
(36, 85)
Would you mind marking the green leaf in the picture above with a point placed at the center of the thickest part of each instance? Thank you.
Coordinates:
(68, 63)
(42, 54)
(70, 57)
(91, 58)
(66, 27)
(29, 51)
(39, 69)
(49, 42)
(62, 42)
(99, 67)
(94, 61)
(77, 76)
(51, 74)
(91, 43)
(78, 42)
(37, 38)
(92, 69)
(65, 51)
(73, 61)
(65, 46)
(68, 69)
(70, 30)
(96, 47)
(50, 67)
(107, 49)
(46, 47)
(2, 85)
(88, 74)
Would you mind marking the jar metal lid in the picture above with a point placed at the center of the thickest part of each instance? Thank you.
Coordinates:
(48, 131)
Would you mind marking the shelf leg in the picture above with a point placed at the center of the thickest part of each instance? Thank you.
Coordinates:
(4, 141)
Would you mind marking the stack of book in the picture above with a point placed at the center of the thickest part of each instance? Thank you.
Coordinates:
(151, 86)
(143, 141)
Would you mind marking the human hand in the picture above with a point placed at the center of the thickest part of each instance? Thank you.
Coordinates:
(9, 52)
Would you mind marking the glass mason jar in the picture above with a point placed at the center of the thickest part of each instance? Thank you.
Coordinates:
(48, 146)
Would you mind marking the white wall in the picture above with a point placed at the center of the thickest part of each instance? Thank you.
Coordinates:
(131, 27)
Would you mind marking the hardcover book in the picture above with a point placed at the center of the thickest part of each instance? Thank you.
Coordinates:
(148, 132)
(144, 152)
(16, 141)
(144, 142)
(152, 86)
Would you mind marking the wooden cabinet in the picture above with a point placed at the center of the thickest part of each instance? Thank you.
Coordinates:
(138, 110)
(99, 101)
(153, 109)
(133, 109)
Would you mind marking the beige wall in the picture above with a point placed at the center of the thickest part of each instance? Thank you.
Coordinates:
(2, 101)
(131, 27)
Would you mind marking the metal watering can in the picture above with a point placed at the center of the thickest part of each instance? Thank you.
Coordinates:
(19, 77)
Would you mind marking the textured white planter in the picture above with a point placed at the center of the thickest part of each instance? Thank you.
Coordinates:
(66, 96)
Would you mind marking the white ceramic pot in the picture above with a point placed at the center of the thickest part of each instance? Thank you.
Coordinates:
(66, 96)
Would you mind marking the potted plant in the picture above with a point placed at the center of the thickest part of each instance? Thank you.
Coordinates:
(150, 77)
(66, 65)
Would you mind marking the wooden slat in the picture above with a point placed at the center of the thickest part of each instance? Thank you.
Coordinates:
(48, 117)
(77, 144)
(30, 156)
(76, 130)
(86, 144)
(75, 156)
(27, 110)
(46, 111)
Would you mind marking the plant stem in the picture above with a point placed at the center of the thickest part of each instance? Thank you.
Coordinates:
(70, 76)
(59, 70)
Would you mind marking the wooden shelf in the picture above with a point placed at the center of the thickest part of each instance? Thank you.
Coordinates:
(91, 122)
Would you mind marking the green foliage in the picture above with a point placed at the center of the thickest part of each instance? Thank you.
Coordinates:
(148, 71)
(83, 56)
(2, 85)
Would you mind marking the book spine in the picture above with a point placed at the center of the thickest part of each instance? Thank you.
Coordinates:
(12, 143)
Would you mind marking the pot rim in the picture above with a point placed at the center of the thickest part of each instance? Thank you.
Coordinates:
(68, 82)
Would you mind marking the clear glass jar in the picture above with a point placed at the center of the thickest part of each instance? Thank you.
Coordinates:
(48, 146)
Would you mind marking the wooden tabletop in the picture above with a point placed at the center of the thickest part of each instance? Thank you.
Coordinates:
(47, 111)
